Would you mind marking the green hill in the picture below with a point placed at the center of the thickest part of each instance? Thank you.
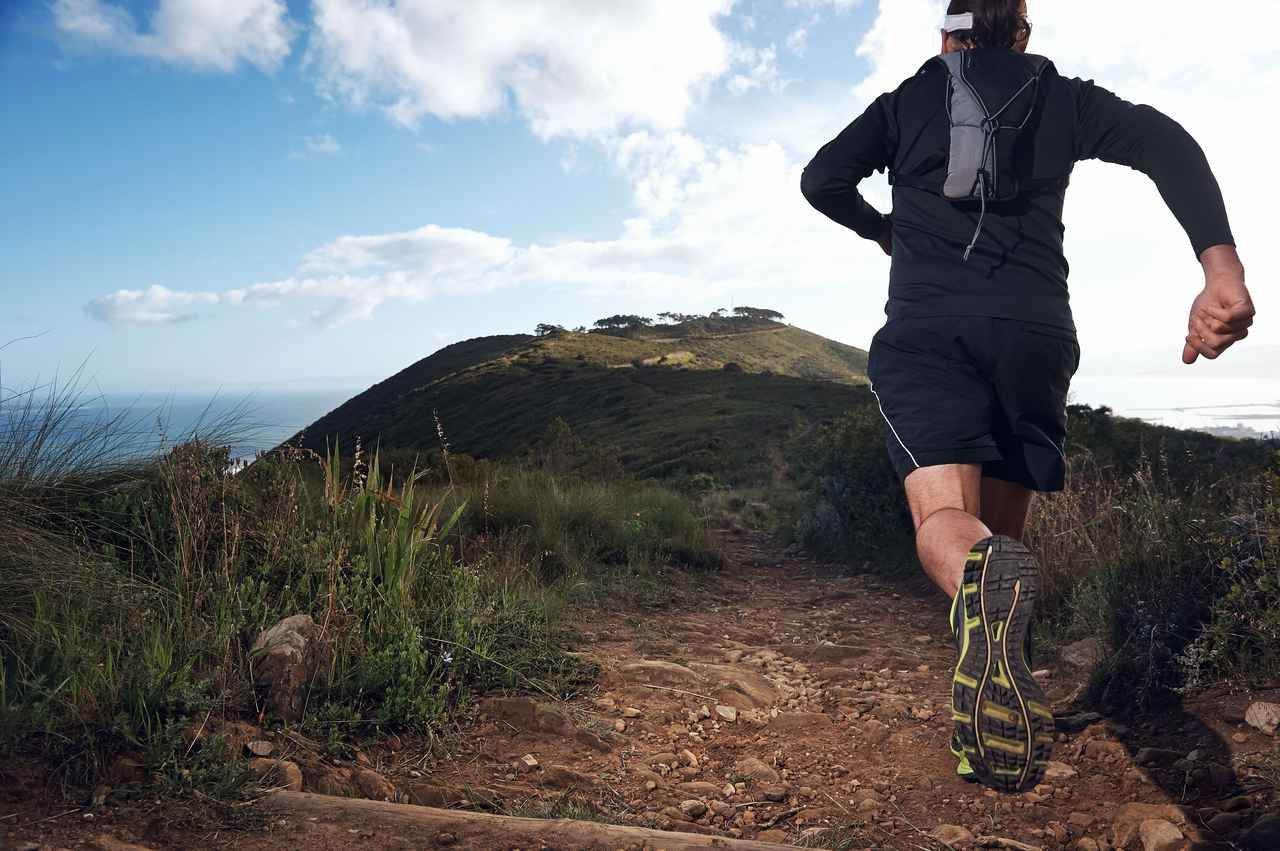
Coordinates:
(731, 398)
(712, 397)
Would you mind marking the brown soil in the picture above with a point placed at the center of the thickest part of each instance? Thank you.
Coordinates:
(840, 686)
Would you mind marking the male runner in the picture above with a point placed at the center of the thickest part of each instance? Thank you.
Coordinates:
(972, 369)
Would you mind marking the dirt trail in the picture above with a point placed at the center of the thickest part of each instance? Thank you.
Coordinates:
(840, 687)
(791, 704)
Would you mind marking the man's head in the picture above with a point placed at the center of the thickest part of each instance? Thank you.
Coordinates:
(996, 23)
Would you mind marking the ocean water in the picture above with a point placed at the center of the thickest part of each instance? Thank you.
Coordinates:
(1246, 406)
(254, 422)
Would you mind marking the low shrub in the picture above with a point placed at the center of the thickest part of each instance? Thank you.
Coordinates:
(1179, 584)
(854, 507)
(129, 602)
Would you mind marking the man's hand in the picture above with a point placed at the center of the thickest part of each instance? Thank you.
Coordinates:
(1223, 312)
(886, 237)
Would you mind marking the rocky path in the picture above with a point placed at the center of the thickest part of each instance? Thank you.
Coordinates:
(800, 706)
(797, 706)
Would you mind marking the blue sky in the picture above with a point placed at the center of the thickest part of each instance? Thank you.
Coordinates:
(327, 191)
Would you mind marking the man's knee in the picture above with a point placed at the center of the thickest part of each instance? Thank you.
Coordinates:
(952, 486)
(942, 514)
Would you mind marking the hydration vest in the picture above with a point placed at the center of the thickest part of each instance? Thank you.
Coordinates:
(984, 133)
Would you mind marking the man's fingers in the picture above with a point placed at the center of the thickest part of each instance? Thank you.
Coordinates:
(1231, 314)
(1189, 354)
(1212, 324)
(1201, 332)
(1213, 335)
(1203, 348)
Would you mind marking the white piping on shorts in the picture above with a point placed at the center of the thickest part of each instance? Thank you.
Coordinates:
(891, 428)
(1049, 440)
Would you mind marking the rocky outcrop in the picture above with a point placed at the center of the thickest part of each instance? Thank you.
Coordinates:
(1263, 716)
(286, 661)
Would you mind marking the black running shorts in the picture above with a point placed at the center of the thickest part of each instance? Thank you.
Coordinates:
(975, 390)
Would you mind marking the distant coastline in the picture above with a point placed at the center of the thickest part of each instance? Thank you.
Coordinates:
(1226, 407)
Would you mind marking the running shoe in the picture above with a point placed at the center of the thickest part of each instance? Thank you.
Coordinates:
(1003, 722)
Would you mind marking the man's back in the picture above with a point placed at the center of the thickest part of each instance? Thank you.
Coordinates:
(1018, 269)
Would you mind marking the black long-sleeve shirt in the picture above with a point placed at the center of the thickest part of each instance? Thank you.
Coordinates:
(1018, 269)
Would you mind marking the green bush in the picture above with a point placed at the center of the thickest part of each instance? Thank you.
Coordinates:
(855, 509)
(130, 594)
(588, 534)
(1179, 584)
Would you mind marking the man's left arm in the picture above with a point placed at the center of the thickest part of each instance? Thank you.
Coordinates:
(830, 181)
(1113, 130)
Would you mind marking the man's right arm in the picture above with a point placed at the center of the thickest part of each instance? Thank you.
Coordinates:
(830, 181)
(1116, 131)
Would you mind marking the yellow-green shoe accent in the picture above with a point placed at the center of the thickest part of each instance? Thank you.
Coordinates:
(963, 769)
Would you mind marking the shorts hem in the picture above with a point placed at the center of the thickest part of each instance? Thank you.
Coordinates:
(944, 457)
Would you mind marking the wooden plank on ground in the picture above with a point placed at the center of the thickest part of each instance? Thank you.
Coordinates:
(457, 829)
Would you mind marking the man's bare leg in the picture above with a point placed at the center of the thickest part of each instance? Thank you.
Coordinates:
(1005, 506)
(1004, 727)
(945, 503)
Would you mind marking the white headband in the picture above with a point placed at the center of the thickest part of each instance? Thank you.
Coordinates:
(958, 23)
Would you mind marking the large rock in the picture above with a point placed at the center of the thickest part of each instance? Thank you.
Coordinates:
(278, 773)
(661, 673)
(286, 662)
(1058, 771)
(952, 835)
(374, 786)
(563, 777)
(1084, 653)
(1159, 835)
(738, 687)
(800, 721)
(1128, 820)
(331, 781)
(755, 769)
(530, 716)
(1263, 716)
(693, 809)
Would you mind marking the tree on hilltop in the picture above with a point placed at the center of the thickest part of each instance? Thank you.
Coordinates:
(546, 330)
(758, 314)
(680, 318)
(623, 321)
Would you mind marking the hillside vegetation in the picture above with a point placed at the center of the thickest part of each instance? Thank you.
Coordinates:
(135, 588)
(735, 402)
(671, 401)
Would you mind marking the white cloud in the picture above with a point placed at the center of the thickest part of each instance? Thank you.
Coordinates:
(571, 67)
(760, 69)
(798, 41)
(215, 35)
(323, 144)
(353, 276)
(155, 305)
(711, 219)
